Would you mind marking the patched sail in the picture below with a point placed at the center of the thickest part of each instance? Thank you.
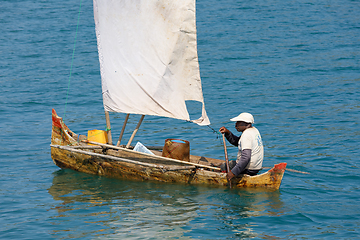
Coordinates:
(148, 57)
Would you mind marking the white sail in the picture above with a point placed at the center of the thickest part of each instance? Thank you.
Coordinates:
(148, 57)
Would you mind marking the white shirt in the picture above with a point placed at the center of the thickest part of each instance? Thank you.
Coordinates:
(251, 139)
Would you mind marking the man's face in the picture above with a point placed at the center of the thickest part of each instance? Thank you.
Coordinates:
(241, 126)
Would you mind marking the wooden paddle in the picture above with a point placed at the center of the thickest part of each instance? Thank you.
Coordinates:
(290, 170)
(226, 158)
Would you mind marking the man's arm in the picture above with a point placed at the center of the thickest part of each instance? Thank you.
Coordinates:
(234, 140)
(242, 163)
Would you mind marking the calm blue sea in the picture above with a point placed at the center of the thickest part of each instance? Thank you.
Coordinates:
(295, 65)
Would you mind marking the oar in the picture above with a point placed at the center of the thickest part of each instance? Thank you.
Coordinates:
(290, 170)
(226, 158)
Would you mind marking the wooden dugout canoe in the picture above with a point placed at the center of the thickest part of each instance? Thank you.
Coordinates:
(67, 151)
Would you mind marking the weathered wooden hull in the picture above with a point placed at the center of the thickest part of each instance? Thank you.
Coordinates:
(68, 152)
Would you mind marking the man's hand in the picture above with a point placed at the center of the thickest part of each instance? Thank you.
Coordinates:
(229, 175)
(224, 130)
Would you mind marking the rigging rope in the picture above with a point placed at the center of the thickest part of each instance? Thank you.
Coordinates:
(214, 131)
(72, 60)
(218, 134)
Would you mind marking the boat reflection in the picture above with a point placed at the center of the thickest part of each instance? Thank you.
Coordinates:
(104, 207)
(263, 202)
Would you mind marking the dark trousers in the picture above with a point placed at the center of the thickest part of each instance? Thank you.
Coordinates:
(232, 164)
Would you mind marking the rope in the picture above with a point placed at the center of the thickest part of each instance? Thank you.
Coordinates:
(214, 131)
(72, 60)
(218, 134)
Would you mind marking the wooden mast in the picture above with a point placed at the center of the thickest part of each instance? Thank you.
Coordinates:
(108, 127)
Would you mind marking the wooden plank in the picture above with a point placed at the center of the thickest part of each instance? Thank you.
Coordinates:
(121, 159)
(86, 147)
(153, 156)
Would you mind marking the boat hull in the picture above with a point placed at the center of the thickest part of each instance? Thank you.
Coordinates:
(67, 151)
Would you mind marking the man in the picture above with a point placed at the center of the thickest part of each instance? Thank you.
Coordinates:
(251, 150)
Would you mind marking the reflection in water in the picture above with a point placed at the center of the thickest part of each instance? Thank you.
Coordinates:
(263, 202)
(103, 207)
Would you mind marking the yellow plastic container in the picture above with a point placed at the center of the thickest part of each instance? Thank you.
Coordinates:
(99, 136)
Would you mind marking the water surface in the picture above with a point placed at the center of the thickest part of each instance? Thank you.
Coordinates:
(293, 65)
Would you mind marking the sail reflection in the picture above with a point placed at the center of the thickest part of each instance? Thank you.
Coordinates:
(96, 206)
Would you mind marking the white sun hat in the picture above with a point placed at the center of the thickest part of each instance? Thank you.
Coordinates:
(243, 117)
